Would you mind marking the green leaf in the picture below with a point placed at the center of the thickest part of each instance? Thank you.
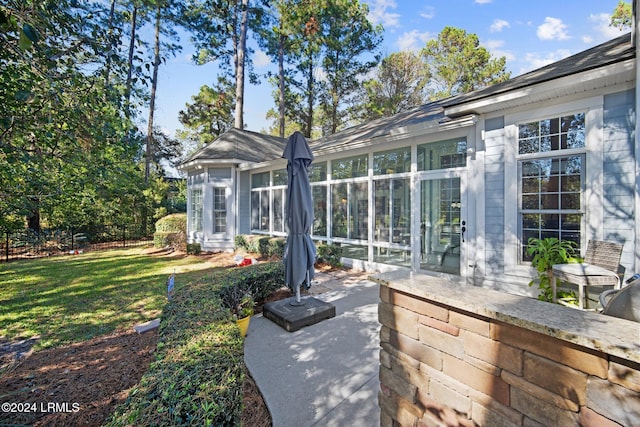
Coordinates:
(24, 43)
(24, 96)
(30, 32)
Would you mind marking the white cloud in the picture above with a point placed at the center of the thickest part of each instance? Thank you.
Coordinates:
(428, 12)
(601, 23)
(552, 29)
(535, 60)
(378, 13)
(495, 48)
(260, 59)
(413, 40)
(483, 1)
(498, 25)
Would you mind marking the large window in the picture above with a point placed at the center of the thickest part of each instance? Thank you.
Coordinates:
(195, 221)
(219, 210)
(350, 207)
(551, 179)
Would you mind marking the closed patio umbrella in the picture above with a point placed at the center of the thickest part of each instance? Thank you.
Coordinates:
(300, 251)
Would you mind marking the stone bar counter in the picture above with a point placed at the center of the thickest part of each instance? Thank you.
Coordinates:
(455, 354)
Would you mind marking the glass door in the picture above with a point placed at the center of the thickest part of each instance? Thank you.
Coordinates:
(442, 223)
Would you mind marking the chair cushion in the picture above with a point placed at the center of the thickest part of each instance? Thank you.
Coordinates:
(585, 273)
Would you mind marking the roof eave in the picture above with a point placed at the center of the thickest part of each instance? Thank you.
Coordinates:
(552, 88)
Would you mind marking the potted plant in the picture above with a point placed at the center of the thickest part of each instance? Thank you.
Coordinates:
(547, 252)
(243, 312)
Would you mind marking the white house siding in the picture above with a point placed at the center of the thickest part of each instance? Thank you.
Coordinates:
(619, 173)
(494, 201)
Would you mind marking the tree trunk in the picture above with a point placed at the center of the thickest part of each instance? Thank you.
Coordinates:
(281, 106)
(33, 220)
(134, 17)
(242, 42)
(310, 100)
(107, 74)
(152, 102)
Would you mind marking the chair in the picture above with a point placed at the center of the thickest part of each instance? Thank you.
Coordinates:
(600, 268)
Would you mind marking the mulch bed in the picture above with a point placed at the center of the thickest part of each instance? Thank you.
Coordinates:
(77, 384)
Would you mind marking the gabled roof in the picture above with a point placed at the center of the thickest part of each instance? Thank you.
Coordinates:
(238, 145)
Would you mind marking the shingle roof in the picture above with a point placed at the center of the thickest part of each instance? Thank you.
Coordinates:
(241, 145)
(612, 51)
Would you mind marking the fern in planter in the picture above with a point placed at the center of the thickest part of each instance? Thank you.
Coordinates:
(547, 252)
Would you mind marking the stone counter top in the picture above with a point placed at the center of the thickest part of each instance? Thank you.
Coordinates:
(617, 337)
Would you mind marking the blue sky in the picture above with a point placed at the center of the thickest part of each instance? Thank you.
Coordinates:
(530, 34)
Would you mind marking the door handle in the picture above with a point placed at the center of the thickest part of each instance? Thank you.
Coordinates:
(463, 229)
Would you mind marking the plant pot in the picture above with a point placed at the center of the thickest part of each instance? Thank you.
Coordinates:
(243, 324)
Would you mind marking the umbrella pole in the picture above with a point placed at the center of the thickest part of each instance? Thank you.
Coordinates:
(297, 302)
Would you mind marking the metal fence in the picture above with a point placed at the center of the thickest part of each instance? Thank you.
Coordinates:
(30, 244)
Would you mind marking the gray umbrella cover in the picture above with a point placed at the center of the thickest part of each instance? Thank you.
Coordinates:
(300, 251)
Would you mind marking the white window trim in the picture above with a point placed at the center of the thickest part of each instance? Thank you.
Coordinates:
(592, 195)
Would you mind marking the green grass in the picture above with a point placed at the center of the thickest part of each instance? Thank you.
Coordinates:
(74, 298)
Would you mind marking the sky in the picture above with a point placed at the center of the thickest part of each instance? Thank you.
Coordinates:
(530, 34)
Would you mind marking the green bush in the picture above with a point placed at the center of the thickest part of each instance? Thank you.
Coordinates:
(193, 249)
(265, 246)
(198, 375)
(329, 254)
(276, 246)
(171, 230)
(241, 242)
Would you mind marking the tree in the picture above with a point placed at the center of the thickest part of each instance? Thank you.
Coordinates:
(210, 113)
(219, 30)
(163, 24)
(397, 85)
(348, 36)
(68, 151)
(276, 34)
(622, 16)
(458, 64)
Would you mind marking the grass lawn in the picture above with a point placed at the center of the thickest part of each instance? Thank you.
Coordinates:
(73, 298)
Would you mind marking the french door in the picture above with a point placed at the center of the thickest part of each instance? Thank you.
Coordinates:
(443, 229)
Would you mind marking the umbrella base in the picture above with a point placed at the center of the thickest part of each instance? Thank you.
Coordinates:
(292, 317)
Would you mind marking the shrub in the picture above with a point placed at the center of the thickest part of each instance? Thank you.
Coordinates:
(241, 242)
(198, 375)
(276, 247)
(330, 254)
(193, 248)
(171, 231)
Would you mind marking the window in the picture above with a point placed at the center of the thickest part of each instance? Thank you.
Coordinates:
(260, 216)
(392, 213)
(393, 161)
(551, 180)
(195, 221)
(350, 204)
(318, 172)
(451, 153)
(351, 167)
(319, 195)
(279, 197)
(219, 210)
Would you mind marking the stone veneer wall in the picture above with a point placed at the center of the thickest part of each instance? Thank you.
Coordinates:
(442, 365)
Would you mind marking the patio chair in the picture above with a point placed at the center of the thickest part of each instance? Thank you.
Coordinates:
(600, 268)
